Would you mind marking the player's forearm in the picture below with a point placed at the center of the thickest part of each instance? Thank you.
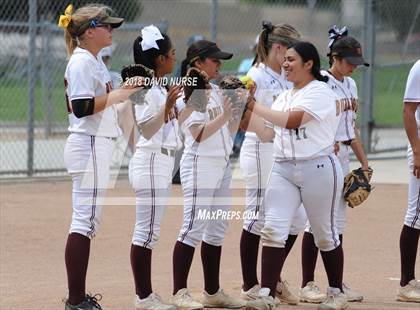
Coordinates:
(411, 130)
(357, 148)
(184, 114)
(233, 126)
(152, 126)
(275, 117)
(258, 125)
(118, 95)
(203, 132)
(288, 120)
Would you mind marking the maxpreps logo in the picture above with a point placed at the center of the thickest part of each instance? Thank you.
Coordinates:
(219, 214)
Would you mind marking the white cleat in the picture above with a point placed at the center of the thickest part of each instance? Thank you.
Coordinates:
(336, 300)
(263, 302)
(222, 300)
(410, 292)
(352, 295)
(183, 301)
(152, 302)
(311, 293)
(284, 294)
(252, 293)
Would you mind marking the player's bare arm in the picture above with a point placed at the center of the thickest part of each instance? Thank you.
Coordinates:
(185, 113)
(104, 101)
(204, 131)
(258, 125)
(410, 126)
(289, 120)
(151, 126)
(357, 148)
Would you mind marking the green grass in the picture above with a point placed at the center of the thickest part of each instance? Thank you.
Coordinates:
(388, 97)
(389, 87)
(14, 103)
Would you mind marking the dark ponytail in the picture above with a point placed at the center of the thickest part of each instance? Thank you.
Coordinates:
(307, 51)
(262, 47)
(184, 66)
(148, 58)
(194, 53)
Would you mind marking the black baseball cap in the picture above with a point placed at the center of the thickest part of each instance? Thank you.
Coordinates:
(350, 49)
(206, 49)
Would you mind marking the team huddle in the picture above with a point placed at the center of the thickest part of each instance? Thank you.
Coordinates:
(300, 129)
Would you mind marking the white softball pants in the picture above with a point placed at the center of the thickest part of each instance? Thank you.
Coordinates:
(341, 214)
(256, 161)
(412, 216)
(150, 175)
(317, 183)
(88, 160)
(206, 185)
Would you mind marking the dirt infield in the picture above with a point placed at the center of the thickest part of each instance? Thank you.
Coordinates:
(34, 221)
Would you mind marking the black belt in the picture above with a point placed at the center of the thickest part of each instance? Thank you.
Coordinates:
(167, 152)
(347, 142)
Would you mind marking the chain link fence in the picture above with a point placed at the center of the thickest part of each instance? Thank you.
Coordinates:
(33, 116)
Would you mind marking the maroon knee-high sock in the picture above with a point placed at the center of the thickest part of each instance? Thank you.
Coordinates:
(287, 248)
(249, 256)
(271, 264)
(210, 258)
(333, 263)
(141, 264)
(181, 262)
(77, 259)
(289, 244)
(309, 258)
(409, 240)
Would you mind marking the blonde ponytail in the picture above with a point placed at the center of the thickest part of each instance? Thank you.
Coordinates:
(284, 34)
(79, 21)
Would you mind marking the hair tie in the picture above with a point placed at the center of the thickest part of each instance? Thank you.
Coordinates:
(150, 35)
(65, 19)
(336, 33)
(267, 26)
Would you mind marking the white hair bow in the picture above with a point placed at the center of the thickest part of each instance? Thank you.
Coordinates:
(150, 35)
(336, 33)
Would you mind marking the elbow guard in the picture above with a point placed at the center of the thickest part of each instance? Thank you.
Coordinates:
(83, 107)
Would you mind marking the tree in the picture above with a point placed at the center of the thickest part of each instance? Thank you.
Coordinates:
(400, 15)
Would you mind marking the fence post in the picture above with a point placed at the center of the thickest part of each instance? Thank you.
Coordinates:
(213, 21)
(46, 78)
(367, 121)
(31, 83)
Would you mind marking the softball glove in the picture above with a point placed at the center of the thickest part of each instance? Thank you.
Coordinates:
(130, 74)
(357, 187)
(195, 94)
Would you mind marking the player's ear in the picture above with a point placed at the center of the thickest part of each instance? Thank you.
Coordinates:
(199, 63)
(88, 33)
(308, 65)
(160, 60)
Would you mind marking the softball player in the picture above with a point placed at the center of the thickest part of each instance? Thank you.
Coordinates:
(205, 179)
(305, 171)
(256, 158)
(410, 287)
(93, 129)
(345, 55)
(150, 169)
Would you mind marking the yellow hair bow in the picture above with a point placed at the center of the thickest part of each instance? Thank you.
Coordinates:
(65, 19)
